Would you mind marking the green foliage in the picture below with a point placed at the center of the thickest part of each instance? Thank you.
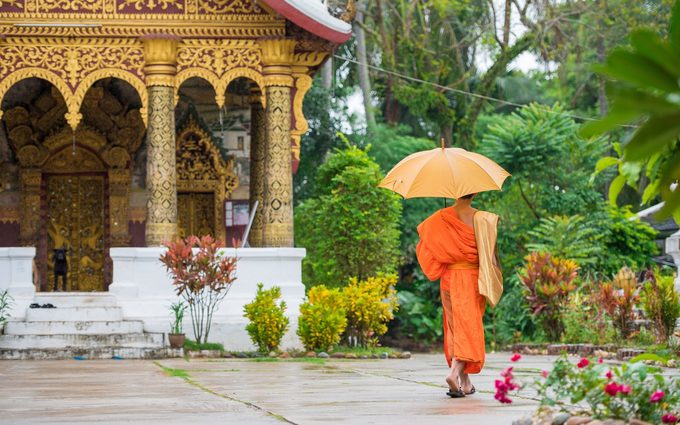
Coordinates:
(566, 237)
(512, 321)
(627, 241)
(6, 302)
(178, 310)
(585, 321)
(419, 315)
(370, 305)
(267, 321)
(322, 318)
(661, 304)
(646, 88)
(350, 228)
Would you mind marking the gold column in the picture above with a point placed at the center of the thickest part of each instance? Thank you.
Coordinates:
(161, 175)
(277, 57)
(30, 206)
(257, 153)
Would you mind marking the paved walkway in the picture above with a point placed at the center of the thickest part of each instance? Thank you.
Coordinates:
(229, 391)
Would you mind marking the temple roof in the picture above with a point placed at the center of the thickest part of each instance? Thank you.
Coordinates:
(314, 17)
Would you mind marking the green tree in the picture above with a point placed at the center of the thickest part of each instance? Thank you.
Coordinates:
(350, 226)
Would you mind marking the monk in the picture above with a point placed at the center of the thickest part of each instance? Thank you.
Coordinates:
(448, 250)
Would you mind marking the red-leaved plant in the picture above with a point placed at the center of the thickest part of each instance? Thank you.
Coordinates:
(548, 281)
(202, 276)
(618, 298)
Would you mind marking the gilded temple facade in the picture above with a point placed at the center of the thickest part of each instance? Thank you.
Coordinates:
(94, 152)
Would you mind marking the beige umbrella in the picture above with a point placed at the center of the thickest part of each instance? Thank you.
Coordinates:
(444, 173)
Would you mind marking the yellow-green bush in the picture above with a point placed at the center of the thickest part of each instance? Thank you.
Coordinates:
(322, 318)
(370, 305)
(268, 323)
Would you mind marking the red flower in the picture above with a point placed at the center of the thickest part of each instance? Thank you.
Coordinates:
(600, 360)
(515, 357)
(669, 418)
(657, 396)
(612, 389)
(545, 374)
(609, 374)
(625, 389)
(583, 363)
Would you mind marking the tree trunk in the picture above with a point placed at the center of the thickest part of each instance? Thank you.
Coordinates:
(327, 74)
(601, 55)
(364, 78)
(391, 107)
(506, 24)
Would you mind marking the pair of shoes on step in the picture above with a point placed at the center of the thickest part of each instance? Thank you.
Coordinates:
(36, 305)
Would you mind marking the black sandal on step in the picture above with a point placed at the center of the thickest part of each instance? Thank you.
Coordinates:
(472, 391)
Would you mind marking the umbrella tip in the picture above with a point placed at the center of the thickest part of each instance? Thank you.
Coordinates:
(443, 143)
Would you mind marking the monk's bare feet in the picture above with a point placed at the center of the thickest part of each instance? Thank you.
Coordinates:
(453, 380)
(466, 384)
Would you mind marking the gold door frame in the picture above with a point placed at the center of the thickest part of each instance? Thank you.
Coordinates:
(201, 167)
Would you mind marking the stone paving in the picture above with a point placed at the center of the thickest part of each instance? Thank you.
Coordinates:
(231, 391)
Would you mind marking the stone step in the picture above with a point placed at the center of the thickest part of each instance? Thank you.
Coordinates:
(73, 327)
(74, 314)
(89, 353)
(67, 341)
(77, 299)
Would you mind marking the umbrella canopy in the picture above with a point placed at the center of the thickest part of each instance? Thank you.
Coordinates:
(444, 173)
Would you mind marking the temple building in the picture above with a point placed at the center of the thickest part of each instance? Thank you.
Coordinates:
(127, 123)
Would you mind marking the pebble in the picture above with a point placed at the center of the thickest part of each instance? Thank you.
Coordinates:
(595, 422)
(273, 354)
(310, 354)
(351, 356)
(384, 356)
(338, 355)
(227, 355)
(613, 422)
(523, 421)
(323, 355)
(284, 355)
(363, 356)
(638, 422)
(240, 355)
(405, 355)
(579, 420)
(560, 419)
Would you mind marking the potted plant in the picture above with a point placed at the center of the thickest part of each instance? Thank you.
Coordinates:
(176, 335)
(6, 302)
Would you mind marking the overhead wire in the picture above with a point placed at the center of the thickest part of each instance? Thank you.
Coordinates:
(467, 93)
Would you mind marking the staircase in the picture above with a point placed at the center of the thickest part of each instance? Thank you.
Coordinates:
(82, 326)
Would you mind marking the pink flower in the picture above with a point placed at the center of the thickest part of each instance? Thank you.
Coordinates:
(612, 389)
(625, 389)
(600, 360)
(507, 372)
(669, 418)
(583, 363)
(657, 396)
(545, 374)
(609, 374)
(515, 357)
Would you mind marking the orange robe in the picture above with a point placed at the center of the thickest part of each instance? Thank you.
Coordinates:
(447, 251)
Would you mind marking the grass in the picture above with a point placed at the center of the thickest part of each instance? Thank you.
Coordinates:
(179, 373)
(195, 346)
(313, 360)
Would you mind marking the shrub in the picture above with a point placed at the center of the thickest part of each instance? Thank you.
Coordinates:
(586, 321)
(178, 310)
(548, 281)
(566, 237)
(661, 304)
(420, 317)
(202, 276)
(322, 318)
(626, 392)
(370, 306)
(268, 322)
(618, 298)
(350, 228)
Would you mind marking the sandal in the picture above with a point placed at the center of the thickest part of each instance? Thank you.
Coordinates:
(472, 391)
(34, 305)
(455, 393)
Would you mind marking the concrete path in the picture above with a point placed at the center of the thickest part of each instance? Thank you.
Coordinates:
(297, 391)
